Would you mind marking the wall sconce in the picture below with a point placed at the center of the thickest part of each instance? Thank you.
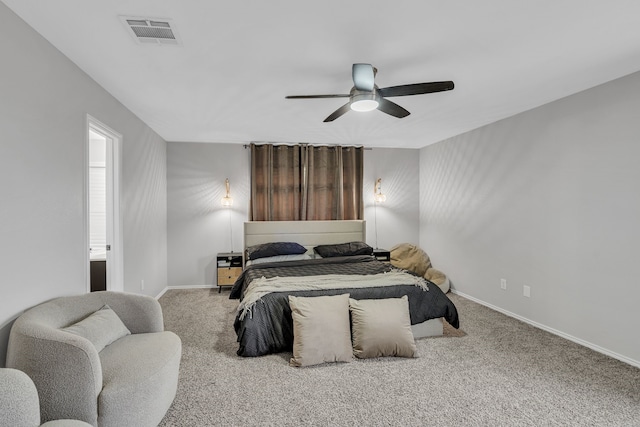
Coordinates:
(227, 200)
(378, 197)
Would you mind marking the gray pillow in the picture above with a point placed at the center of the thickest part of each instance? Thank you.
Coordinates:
(273, 249)
(343, 249)
(381, 327)
(320, 330)
(279, 258)
(102, 328)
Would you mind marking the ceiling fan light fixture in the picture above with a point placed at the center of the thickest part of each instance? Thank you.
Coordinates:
(364, 105)
(364, 102)
(365, 95)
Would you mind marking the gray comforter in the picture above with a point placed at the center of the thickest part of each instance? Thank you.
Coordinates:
(269, 326)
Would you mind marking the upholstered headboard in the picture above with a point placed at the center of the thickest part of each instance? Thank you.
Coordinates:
(306, 233)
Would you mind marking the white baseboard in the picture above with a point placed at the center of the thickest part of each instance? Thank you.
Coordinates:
(564, 335)
(162, 292)
(185, 287)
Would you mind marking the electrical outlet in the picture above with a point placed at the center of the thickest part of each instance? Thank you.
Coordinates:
(142, 285)
(503, 284)
(526, 291)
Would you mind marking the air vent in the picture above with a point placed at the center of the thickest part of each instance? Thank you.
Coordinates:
(151, 30)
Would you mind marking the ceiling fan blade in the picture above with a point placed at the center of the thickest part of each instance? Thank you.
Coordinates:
(392, 108)
(363, 76)
(340, 111)
(316, 96)
(416, 89)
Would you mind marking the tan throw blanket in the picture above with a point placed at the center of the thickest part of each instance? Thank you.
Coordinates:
(263, 286)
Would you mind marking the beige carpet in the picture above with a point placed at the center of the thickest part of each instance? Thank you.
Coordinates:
(501, 373)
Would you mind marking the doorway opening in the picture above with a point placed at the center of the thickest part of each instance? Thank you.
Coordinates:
(104, 234)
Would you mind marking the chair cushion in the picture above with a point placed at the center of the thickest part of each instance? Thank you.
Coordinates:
(140, 379)
(101, 327)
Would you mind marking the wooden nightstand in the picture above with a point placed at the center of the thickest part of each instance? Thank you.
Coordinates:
(382, 255)
(229, 268)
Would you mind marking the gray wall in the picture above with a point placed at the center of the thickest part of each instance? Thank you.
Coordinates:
(44, 100)
(398, 217)
(549, 199)
(198, 226)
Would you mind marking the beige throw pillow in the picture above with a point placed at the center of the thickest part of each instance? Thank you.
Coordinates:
(382, 327)
(320, 330)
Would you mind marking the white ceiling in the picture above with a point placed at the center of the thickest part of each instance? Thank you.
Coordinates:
(239, 59)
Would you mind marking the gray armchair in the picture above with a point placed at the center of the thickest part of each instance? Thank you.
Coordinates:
(19, 406)
(131, 381)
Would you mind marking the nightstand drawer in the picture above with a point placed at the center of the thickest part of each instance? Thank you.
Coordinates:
(229, 269)
(228, 275)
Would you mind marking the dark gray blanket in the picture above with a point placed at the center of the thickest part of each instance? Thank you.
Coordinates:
(269, 326)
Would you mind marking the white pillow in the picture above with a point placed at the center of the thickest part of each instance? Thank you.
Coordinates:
(278, 258)
(321, 330)
(381, 327)
(102, 328)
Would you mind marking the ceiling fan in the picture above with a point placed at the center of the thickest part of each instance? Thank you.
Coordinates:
(365, 95)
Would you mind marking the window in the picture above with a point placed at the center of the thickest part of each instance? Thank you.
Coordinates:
(305, 182)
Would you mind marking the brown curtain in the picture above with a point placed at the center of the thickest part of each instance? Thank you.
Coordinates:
(305, 182)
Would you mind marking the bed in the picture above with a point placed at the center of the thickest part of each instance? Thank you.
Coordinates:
(263, 323)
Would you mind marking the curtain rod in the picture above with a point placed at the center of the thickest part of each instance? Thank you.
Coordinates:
(304, 143)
